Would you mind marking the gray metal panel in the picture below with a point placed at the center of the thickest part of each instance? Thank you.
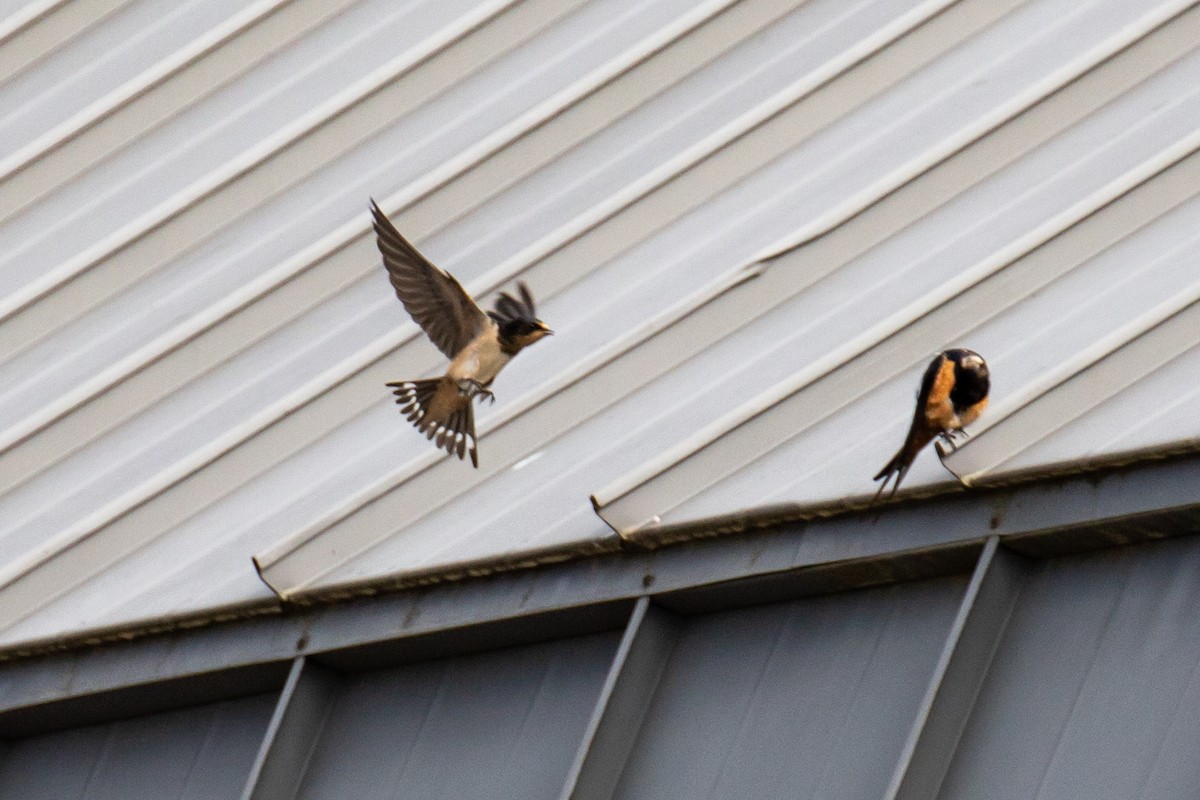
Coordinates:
(636, 670)
(808, 699)
(292, 736)
(961, 670)
(499, 724)
(1094, 690)
(199, 753)
(194, 328)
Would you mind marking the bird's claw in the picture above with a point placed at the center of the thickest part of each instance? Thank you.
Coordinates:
(949, 438)
(472, 389)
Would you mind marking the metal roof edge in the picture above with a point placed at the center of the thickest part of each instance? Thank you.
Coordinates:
(160, 627)
(653, 537)
(1099, 465)
(455, 573)
(249, 418)
(337, 595)
(1011, 507)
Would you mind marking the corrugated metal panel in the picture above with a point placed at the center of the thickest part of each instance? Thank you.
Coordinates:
(194, 330)
(194, 754)
(1165, 396)
(503, 724)
(808, 699)
(1042, 291)
(1093, 690)
(1023, 272)
(123, 42)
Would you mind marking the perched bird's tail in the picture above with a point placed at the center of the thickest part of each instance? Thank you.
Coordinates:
(438, 409)
(898, 466)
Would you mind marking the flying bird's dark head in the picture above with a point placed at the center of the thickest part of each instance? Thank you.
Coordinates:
(517, 321)
(971, 378)
(525, 333)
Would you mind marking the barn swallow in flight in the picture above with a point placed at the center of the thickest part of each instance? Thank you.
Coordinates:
(954, 392)
(477, 344)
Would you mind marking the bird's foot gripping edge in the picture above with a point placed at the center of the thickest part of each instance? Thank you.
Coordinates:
(949, 437)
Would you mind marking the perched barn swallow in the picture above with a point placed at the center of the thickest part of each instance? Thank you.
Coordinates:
(477, 344)
(954, 392)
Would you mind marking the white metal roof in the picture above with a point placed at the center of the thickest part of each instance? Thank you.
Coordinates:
(751, 224)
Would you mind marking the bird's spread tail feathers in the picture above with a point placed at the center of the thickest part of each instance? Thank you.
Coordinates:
(900, 462)
(441, 412)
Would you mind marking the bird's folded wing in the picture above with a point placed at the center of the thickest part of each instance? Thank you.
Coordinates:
(433, 297)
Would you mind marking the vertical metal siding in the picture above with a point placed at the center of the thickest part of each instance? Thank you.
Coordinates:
(201, 753)
(808, 699)
(495, 725)
(1095, 688)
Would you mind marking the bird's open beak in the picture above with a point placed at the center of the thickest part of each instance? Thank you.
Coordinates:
(546, 331)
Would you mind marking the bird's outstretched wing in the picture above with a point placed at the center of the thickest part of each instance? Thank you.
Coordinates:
(433, 297)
